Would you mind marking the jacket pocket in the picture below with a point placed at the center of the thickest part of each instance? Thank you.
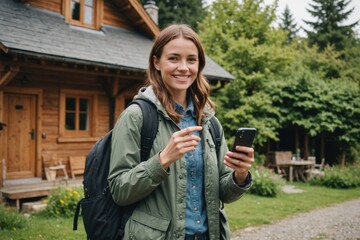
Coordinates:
(142, 225)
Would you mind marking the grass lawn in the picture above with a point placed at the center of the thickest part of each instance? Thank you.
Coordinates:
(251, 210)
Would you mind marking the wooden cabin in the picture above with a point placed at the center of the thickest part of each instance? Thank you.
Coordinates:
(67, 70)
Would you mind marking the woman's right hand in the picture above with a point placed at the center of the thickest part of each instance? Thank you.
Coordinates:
(181, 142)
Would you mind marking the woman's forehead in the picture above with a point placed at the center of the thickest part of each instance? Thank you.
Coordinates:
(180, 46)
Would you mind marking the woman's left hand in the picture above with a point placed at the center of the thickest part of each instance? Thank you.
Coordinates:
(241, 161)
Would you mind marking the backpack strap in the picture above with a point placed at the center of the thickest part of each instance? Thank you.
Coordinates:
(76, 215)
(216, 136)
(215, 133)
(150, 125)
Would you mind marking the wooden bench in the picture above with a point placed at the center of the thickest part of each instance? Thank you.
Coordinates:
(30, 192)
(77, 165)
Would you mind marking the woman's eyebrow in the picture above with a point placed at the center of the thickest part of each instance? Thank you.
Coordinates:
(178, 54)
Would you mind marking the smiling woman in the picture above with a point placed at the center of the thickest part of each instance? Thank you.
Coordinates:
(177, 191)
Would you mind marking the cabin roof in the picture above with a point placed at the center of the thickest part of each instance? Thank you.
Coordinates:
(31, 31)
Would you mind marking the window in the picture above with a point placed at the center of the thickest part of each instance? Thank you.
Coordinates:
(77, 112)
(83, 12)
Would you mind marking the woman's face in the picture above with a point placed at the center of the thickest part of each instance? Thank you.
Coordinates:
(178, 66)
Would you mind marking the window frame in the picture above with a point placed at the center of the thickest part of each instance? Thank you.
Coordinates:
(78, 135)
(96, 17)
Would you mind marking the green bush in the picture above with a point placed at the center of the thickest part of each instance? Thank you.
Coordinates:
(62, 201)
(337, 177)
(265, 182)
(10, 219)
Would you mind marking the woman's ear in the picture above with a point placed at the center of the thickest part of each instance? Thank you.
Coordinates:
(156, 63)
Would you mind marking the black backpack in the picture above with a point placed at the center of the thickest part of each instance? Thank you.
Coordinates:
(102, 217)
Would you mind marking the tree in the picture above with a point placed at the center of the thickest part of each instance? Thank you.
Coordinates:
(328, 29)
(179, 11)
(241, 38)
(288, 24)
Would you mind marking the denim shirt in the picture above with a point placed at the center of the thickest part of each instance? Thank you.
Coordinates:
(196, 214)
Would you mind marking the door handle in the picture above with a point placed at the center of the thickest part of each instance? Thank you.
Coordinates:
(32, 134)
(2, 125)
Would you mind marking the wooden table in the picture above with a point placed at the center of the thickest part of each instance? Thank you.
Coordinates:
(297, 168)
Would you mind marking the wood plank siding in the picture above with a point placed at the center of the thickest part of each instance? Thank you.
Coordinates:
(109, 14)
(51, 5)
(112, 17)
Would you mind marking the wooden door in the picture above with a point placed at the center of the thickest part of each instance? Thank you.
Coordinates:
(20, 117)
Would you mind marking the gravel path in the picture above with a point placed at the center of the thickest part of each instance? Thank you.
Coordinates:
(339, 222)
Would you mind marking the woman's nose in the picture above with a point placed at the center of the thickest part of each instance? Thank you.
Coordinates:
(183, 65)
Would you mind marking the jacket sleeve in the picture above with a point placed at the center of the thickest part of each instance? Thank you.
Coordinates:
(131, 180)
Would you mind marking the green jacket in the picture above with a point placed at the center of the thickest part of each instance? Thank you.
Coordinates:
(160, 194)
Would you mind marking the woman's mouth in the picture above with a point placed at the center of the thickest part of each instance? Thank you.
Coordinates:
(181, 77)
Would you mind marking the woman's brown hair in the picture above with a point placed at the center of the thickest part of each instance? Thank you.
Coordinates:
(199, 90)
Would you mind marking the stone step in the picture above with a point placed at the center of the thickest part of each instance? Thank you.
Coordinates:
(33, 207)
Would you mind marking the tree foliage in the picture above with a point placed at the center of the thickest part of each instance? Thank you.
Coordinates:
(179, 11)
(319, 105)
(329, 27)
(288, 24)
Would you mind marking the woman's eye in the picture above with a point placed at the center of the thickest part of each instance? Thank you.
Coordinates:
(172, 58)
(192, 60)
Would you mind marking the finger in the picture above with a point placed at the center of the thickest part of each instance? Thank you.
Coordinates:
(247, 150)
(239, 157)
(189, 130)
(237, 164)
(188, 149)
(189, 138)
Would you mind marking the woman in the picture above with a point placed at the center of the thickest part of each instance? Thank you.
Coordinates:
(178, 191)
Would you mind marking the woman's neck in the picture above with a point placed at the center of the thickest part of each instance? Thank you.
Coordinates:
(181, 99)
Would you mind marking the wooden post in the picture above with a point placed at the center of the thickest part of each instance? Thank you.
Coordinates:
(306, 145)
(322, 147)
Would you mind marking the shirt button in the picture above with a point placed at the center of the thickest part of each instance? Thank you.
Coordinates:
(195, 209)
(198, 221)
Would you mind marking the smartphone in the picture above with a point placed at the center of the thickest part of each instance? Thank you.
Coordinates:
(244, 137)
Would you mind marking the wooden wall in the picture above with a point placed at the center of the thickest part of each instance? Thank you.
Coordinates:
(51, 85)
(110, 15)
(51, 5)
